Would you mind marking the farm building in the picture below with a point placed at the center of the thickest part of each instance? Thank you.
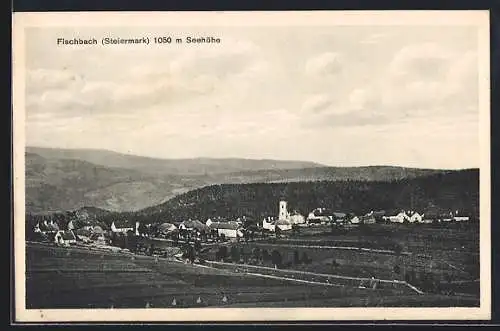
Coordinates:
(121, 226)
(228, 229)
(319, 215)
(65, 237)
(415, 217)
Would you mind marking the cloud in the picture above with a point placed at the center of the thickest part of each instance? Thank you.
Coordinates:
(316, 103)
(324, 64)
(421, 81)
(374, 38)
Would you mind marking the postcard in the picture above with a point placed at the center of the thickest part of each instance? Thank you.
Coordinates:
(251, 166)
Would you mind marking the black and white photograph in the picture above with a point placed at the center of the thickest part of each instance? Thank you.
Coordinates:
(251, 166)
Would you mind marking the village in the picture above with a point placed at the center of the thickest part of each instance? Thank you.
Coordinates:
(85, 230)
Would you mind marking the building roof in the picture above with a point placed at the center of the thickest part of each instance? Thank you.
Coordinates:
(53, 226)
(225, 225)
(167, 227)
(283, 222)
(123, 224)
(83, 232)
(195, 224)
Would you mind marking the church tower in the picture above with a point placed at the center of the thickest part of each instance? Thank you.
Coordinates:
(283, 215)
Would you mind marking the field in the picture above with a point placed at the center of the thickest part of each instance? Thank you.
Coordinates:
(82, 278)
(440, 260)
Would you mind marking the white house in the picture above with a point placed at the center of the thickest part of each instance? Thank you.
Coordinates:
(354, 220)
(228, 229)
(415, 217)
(65, 237)
(284, 225)
(401, 217)
(122, 226)
(297, 219)
(457, 217)
(268, 224)
(319, 215)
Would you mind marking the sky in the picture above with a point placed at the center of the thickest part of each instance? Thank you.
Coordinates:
(336, 95)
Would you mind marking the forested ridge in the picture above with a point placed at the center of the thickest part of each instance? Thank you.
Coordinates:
(453, 190)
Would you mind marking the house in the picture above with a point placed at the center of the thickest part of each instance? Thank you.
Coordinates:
(318, 216)
(297, 218)
(48, 227)
(432, 214)
(368, 218)
(268, 224)
(228, 229)
(283, 225)
(339, 217)
(401, 217)
(460, 217)
(446, 217)
(379, 215)
(121, 226)
(65, 238)
(415, 217)
(354, 220)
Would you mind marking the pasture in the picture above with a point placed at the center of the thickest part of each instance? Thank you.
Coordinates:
(81, 278)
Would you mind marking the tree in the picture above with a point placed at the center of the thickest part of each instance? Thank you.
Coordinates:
(296, 257)
(276, 258)
(197, 246)
(256, 254)
(235, 254)
(277, 231)
(305, 258)
(221, 254)
(265, 255)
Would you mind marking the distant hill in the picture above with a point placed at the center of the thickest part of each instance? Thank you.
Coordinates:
(195, 166)
(56, 182)
(63, 184)
(450, 190)
(369, 173)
